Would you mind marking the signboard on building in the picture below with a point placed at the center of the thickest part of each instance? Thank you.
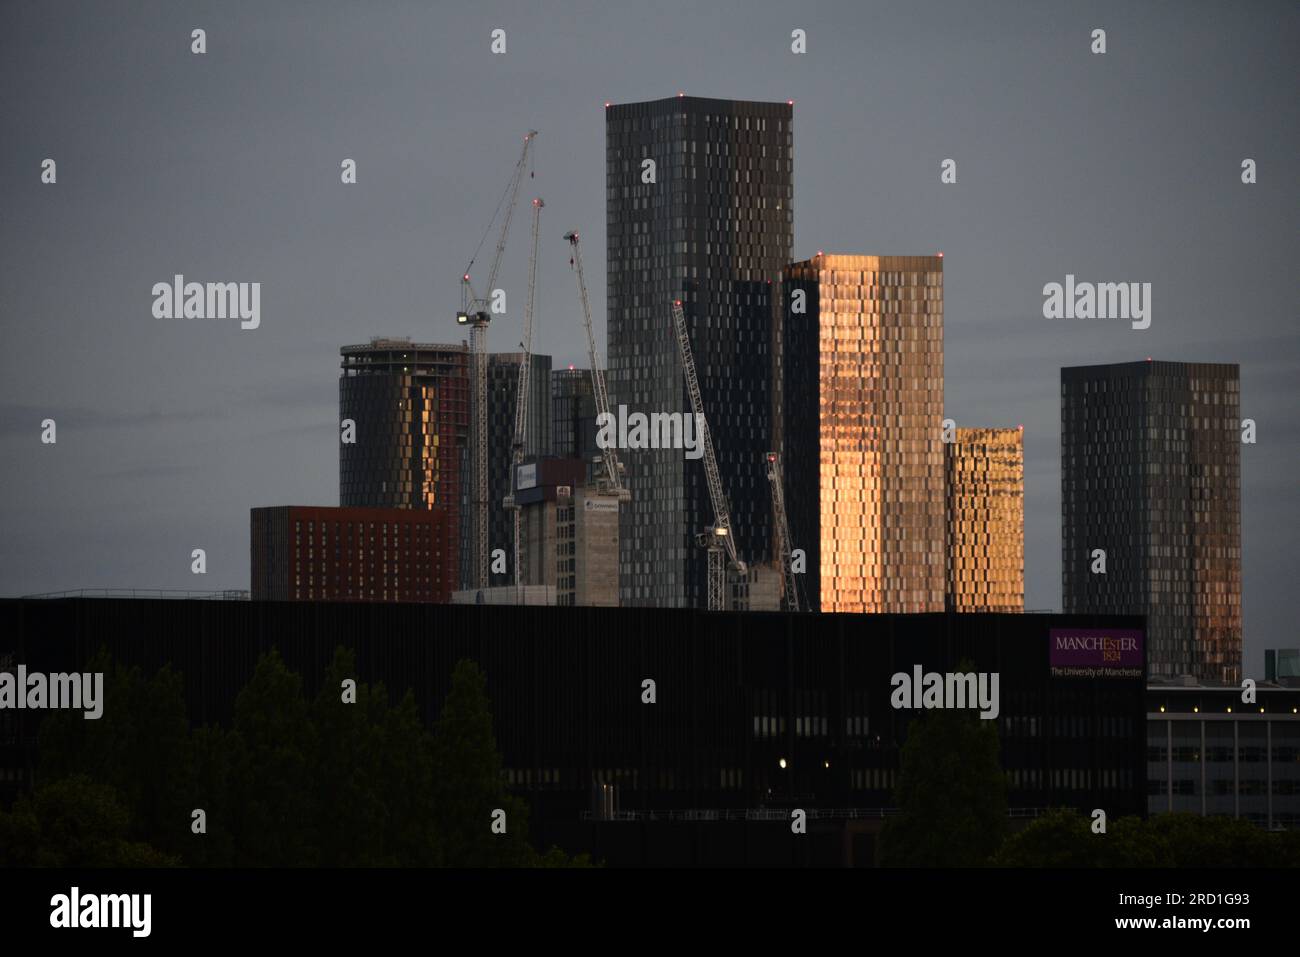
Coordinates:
(601, 505)
(1096, 652)
(526, 476)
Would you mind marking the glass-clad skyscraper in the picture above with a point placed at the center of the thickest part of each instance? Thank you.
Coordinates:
(698, 208)
(1151, 484)
(409, 406)
(503, 389)
(984, 494)
(573, 415)
(862, 398)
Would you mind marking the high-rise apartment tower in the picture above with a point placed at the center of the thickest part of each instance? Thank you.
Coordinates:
(1151, 507)
(699, 201)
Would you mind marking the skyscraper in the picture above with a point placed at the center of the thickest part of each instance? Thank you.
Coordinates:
(409, 402)
(573, 415)
(503, 387)
(699, 207)
(862, 397)
(984, 492)
(1151, 507)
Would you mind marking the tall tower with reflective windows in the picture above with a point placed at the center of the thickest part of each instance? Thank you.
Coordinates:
(861, 432)
(1151, 476)
(409, 403)
(503, 390)
(708, 220)
(984, 493)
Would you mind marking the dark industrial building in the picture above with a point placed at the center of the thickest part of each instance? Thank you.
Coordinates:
(754, 713)
(711, 224)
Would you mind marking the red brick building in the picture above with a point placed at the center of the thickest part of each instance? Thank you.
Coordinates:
(323, 553)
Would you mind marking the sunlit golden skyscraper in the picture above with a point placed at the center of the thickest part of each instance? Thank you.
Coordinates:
(861, 394)
(985, 507)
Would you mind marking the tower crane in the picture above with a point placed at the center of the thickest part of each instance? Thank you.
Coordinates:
(718, 536)
(475, 312)
(521, 394)
(782, 532)
(613, 467)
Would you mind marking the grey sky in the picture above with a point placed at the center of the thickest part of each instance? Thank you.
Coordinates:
(225, 167)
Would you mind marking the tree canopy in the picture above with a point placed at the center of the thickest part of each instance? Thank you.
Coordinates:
(292, 782)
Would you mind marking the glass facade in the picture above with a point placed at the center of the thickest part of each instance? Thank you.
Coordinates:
(1151, 475)
(410, 404)
(714, 230)
(862, 400)
(503, 387)
(573, 415)
(1282, 665)
(984, 488)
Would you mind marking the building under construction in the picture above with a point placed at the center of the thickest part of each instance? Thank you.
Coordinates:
(407, 447)
(568, 532)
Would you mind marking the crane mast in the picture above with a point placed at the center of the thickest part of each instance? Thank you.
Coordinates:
(476, 313)
(783, 550)
(521, 393)
(718, 536)
(613, 468)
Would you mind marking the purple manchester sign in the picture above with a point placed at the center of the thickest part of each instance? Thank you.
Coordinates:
(1100, 652)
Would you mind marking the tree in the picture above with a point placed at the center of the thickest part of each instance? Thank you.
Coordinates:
(1188, 840)
(351, 803)
(292, 783)
(1064, 838)
(406, 768)
(1060, 838)
(952, 795)
(468, 786)
(73, 822)
(373, 774)
(271, 802)
(139, 746)
(215, 754)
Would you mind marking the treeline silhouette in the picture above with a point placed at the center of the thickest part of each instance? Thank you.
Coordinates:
(952, 801)
(293, 782)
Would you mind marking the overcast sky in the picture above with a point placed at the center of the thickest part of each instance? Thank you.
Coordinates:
(226, 167)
